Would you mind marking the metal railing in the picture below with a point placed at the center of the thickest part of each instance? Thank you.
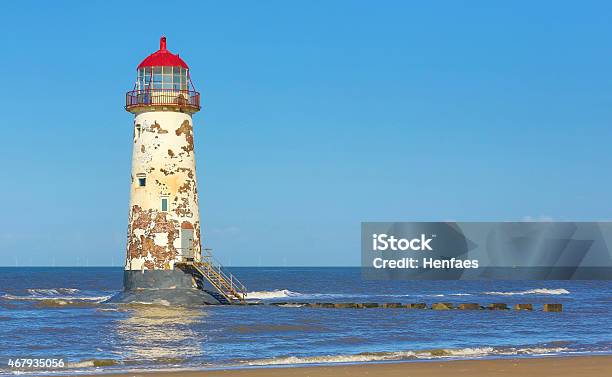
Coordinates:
(231, 283)
(163, 97)
(211, 269)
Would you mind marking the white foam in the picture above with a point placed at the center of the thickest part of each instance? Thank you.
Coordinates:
(290, 360)
(264, 295)
(56, 294)
(63, 298)
(282, 293)
(52, 291)
(285, 293)
(540, 351)
(538, 291)
(291, 305)
(80, 364)
(467, 353)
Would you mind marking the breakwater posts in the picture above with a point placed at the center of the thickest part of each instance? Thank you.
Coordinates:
(414, 306)
(469, 306)
(553, 307)
(523, 307)
(442, 306)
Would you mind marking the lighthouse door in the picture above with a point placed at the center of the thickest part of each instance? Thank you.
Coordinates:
(187, 243)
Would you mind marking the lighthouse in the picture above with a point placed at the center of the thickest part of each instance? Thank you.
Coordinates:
(164, 255)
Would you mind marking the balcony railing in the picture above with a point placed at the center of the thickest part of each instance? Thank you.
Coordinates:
(163, 97)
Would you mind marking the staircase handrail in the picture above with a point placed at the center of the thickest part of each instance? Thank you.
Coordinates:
(231, 281)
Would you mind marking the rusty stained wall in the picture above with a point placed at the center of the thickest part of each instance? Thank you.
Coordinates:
(163, 152)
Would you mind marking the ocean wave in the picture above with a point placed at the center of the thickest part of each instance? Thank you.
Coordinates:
(57, 303)
(92, 363)
(466, 353)
(538, 291)
(115, 309)
(285, 293)
(294, 360)
(113, 363)
(64, 298)
(278, 293)
(52, 291)
(291, 305)
(58, 296)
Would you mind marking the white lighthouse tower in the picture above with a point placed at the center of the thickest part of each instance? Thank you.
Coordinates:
(164, 245)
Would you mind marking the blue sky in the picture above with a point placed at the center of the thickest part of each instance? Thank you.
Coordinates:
(318, 115)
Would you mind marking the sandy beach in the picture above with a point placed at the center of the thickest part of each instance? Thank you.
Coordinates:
(550, 366)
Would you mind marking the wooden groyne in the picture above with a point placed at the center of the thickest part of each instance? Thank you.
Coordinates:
(415, 306)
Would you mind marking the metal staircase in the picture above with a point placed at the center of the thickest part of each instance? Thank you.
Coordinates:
(229, 290)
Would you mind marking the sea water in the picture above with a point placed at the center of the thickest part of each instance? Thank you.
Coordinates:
(60, 313)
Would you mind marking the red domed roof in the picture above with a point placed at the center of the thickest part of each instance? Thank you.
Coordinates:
(163, 58)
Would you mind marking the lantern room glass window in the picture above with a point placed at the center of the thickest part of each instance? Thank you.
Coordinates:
(162, 78)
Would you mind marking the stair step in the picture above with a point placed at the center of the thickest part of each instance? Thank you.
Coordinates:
(225, 289)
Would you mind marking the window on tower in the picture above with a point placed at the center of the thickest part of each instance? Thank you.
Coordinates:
(157, 77)
(144, 78)
(164, 204)
(176, 80)
(142, 180)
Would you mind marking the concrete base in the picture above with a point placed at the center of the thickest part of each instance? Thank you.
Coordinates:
(173, 287)
(157, 279)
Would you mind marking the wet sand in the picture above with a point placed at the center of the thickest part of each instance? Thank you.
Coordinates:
(551, 366)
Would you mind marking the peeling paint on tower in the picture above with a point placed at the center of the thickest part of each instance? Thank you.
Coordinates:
(151, 238)
(161, 208)
(187, 130)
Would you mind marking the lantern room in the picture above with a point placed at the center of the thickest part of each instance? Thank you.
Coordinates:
(163, 83)
(174, 78)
